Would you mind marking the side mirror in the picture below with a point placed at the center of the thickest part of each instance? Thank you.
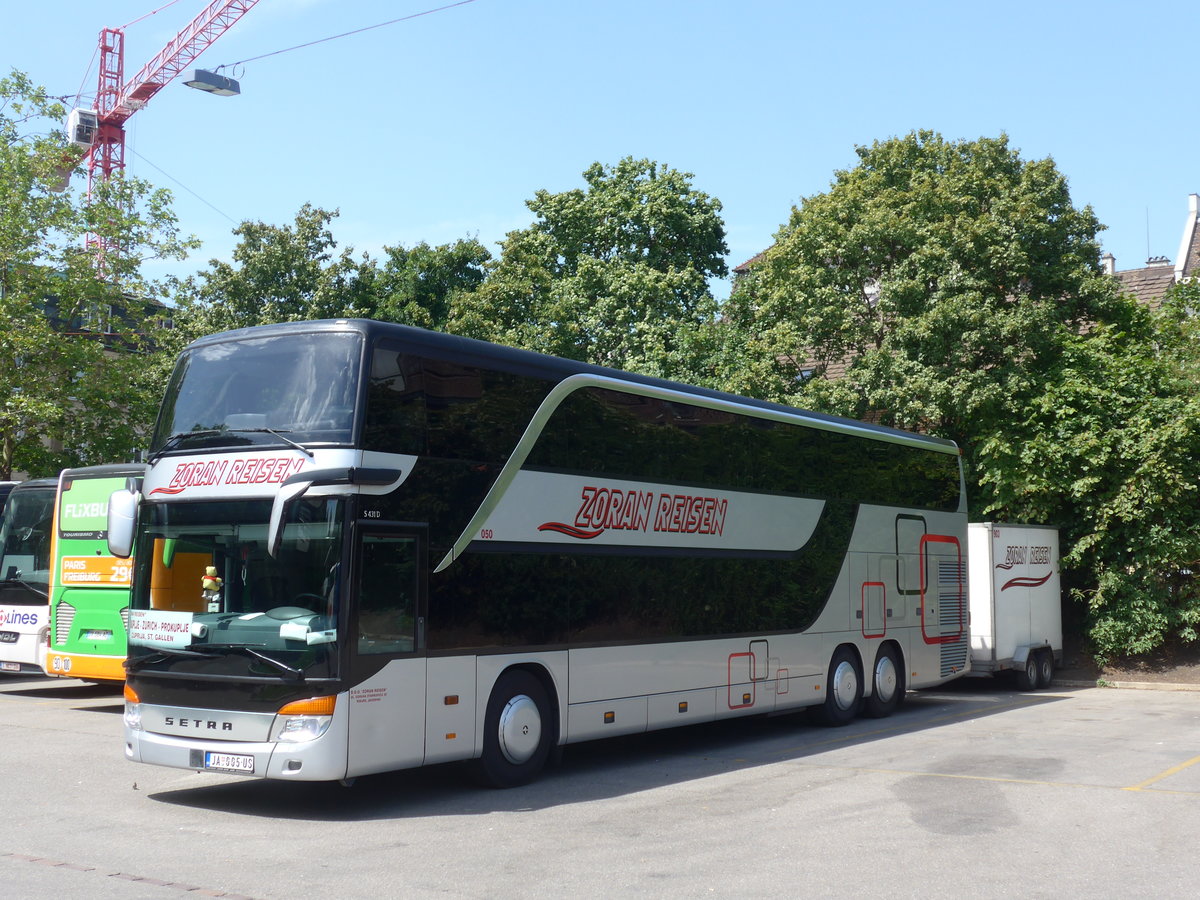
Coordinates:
(288, 492)
(122, 516)
(296, 485)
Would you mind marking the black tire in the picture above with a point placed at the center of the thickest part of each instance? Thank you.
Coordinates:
(887, 684)
(1027, 678)
(1045, 668)
(518, 731)
(843, 689)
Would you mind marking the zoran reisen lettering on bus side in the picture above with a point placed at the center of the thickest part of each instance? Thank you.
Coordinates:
(602, 509)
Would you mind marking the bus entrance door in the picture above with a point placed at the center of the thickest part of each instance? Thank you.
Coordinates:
(387, 625)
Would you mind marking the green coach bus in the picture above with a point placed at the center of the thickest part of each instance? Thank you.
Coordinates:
(89, 595)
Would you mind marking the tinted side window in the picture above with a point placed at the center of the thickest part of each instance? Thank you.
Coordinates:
(629, 436)
(446, 409)
(388, 585)
(395, 420)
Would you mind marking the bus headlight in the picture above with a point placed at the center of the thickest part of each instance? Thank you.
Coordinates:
(133, 709)
(304, 720)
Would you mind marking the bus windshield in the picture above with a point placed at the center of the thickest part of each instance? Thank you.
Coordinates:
(25, 547)
(212, 600)
(262, 391)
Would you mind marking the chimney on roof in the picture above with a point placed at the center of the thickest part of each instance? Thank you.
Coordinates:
(1189, 251)
(1109, 264)
(1159, 261)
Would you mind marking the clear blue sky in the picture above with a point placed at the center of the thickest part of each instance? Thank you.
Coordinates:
(443, 126)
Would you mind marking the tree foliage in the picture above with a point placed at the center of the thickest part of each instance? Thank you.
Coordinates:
(960, 289)
(944, 275)
(296, 272)
(421, 286)
(1110, 451)
(63, 399)
(615, 273)
(279, 273)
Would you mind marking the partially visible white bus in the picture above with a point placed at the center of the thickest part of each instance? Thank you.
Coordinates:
(26, 545)
(363, 547)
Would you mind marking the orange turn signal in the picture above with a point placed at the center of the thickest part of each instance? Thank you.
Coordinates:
(131, 694)
(313, 706)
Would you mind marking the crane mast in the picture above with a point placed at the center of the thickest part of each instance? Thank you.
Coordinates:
(117, 100)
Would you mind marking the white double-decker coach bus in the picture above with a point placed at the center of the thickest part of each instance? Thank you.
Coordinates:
(363, 547)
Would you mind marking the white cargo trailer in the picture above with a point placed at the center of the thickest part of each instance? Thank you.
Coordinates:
(1016, 601)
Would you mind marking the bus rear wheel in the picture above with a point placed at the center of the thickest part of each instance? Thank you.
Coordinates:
(887, 684)
(843, 689)
(518, 732)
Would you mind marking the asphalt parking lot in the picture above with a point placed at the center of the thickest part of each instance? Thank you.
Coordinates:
(972, 790)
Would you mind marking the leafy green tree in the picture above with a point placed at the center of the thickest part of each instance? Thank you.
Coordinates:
(1110, 451)
(615, 273)
(943, 275)
(420, 286)
(71, 328)
(278, 273)
(952, 287)
(296, 272)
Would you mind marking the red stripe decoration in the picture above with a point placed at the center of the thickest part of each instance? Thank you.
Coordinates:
(570, 530)
(1027, 582)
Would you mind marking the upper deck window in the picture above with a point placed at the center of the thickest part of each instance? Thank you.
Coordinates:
(302, 387)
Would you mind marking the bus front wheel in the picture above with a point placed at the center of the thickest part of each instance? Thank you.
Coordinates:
(518, 732)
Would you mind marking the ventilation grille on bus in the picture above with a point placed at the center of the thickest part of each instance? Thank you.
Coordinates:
(952, 616)
(125, 619)
(63, 618)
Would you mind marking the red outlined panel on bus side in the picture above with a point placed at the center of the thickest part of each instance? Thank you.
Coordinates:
(880, 590)
(955, 577)
(744, 699)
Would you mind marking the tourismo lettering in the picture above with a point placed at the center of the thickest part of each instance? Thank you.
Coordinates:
(604, 509)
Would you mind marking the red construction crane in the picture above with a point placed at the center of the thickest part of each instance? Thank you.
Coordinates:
(116, 101)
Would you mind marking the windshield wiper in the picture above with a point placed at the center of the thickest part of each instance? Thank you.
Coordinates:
(133, 663)
(250, 651)
(278, 434)
(32, 588)
(174, 440)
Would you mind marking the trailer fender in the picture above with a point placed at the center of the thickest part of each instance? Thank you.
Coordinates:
(1023, 653)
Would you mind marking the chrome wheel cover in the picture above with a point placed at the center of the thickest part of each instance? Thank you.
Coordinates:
(845, 685)
(520, 729)
(886, 681)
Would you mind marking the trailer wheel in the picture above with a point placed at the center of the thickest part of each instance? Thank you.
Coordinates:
(1045, 668)
(517, 733)
(1027, 678)
(843, 689)
(887, 684)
